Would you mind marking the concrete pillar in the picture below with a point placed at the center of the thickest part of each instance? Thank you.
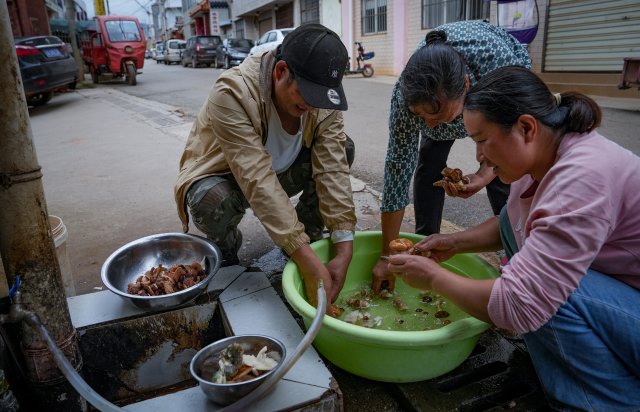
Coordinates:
(26, 243)
(399, 36)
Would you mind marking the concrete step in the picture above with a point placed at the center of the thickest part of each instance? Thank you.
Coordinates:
(593, 84)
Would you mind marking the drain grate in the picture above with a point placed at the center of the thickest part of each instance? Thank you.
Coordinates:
(506, 398)
(498, 375)
(474, 375)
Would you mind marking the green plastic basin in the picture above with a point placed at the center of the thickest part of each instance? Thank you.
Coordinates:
(388, 356)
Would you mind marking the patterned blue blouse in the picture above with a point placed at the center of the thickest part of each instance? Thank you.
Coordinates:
(484, 47)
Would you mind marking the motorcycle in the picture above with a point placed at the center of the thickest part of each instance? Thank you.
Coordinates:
(365, 68)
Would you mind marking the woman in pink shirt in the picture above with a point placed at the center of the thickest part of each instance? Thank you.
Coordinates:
(571, 229)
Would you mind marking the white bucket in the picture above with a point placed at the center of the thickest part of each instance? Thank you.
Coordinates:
(59, 232)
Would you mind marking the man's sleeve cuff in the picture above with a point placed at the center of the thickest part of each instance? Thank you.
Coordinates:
(338, 236)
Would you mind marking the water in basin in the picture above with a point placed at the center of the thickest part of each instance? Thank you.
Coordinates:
(407, 309)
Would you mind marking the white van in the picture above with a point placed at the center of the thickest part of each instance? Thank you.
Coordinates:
(173, 51)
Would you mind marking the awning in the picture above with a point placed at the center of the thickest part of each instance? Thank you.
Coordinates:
(62, 25)
(200, 10)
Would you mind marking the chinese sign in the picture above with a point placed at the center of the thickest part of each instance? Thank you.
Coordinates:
(214, 18)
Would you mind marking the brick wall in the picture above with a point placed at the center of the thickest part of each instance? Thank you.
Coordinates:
(415, 32)
(28, 18)
(380, 43)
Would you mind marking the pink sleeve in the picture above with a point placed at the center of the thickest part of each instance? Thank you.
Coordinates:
(540, 278)
(564, 232)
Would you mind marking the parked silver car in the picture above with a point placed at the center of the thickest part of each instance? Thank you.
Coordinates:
(159, 54)
(232, 52)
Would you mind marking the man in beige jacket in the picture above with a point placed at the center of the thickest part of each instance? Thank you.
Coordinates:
(272, 128)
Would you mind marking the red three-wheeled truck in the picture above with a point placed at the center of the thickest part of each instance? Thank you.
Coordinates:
(114, 48)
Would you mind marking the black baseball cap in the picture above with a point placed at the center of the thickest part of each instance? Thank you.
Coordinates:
(318, 60)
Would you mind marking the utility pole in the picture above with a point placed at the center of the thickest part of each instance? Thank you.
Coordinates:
(163, 19)
(27, 247)
(70, 11)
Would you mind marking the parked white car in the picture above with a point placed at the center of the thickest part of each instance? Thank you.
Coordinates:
(173, 51)
(270, 40)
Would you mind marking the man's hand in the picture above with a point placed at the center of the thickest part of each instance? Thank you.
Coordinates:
(312, 271)
(338, 267)
(333, 275)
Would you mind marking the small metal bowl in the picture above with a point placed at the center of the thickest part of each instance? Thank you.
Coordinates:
(137, 257)
(227, 393)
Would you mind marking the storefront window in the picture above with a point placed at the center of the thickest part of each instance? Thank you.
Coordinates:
(437, 12)
(239, 29)
(309, 11)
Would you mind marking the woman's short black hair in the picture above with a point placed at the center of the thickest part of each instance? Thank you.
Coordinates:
(433, 73)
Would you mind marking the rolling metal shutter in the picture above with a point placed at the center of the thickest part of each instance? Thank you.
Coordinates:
(284, 16)
(591, 35)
